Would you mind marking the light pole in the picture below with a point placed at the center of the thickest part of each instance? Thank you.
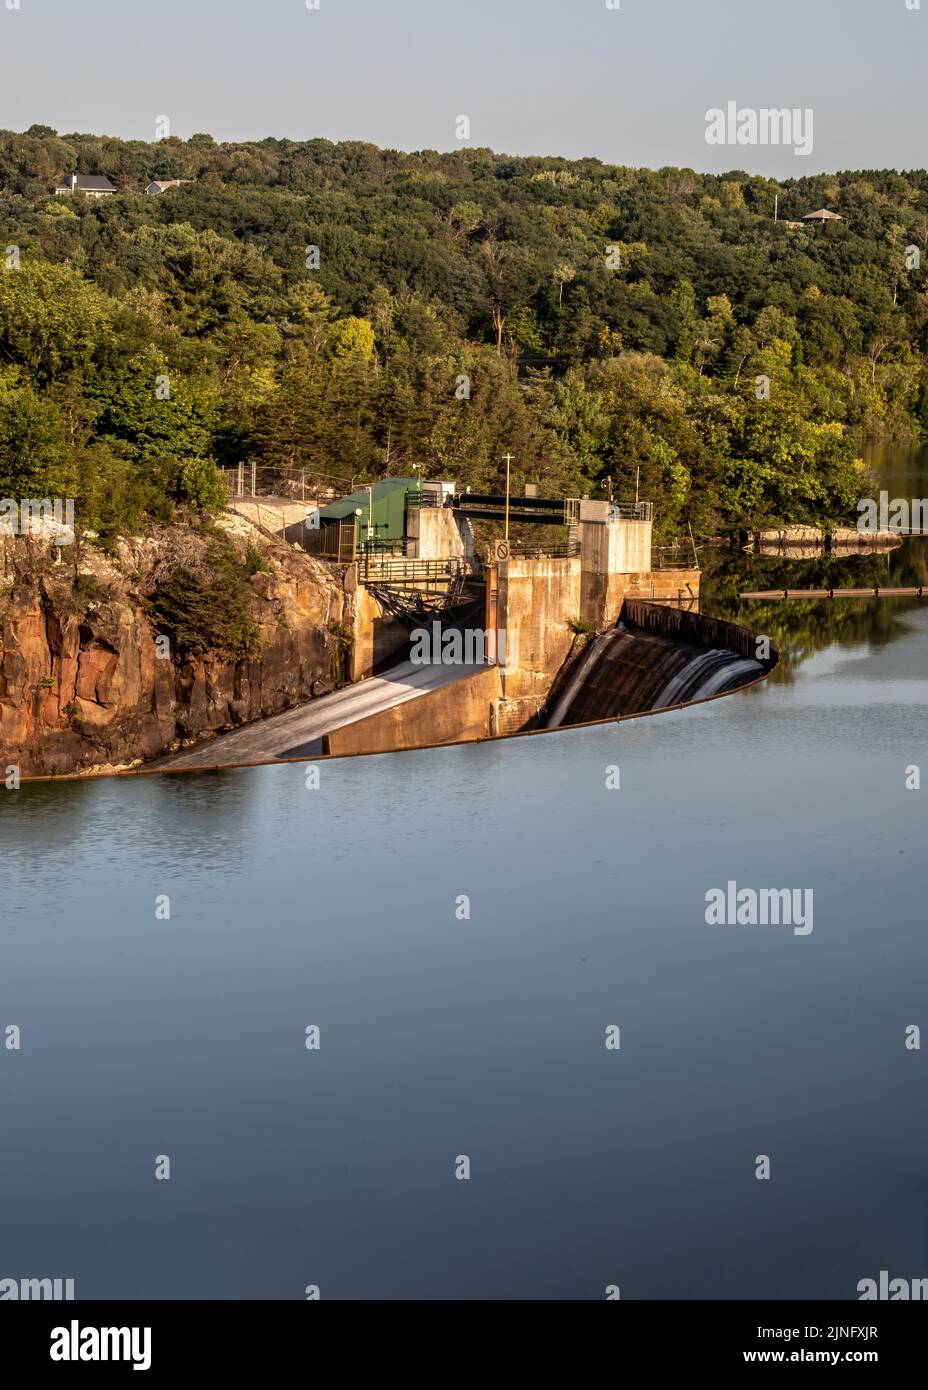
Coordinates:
(508, 460)
(370, 516)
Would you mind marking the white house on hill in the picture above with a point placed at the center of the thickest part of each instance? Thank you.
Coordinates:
(159, 185)
(92, 185)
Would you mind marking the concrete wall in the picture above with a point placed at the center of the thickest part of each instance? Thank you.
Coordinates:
(510, 716)
(604, 594)
(684, 626)
(624, 549)
(536, 601)
(434, 533)
(378, 639)
(459, 712)
(678, 588)
(610, 551)
(629, 547)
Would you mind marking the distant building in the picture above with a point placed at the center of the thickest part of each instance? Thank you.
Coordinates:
(92, 185)
(159, 185)
(375, 514)
(823, 215)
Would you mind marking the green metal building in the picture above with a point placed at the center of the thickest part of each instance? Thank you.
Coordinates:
(371, 514)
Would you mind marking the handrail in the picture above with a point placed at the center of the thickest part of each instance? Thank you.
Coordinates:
(389, 569)
(557, 550)
(633, 511)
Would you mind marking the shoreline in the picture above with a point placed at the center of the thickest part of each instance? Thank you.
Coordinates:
(150, 771)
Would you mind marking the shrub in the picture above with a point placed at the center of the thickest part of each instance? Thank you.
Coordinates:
(199, 483)
(208, 609)
(255, 561)
(87, 586)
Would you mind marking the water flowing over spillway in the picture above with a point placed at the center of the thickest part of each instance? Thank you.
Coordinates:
(632, 672)
(556, 718)
(709, 673)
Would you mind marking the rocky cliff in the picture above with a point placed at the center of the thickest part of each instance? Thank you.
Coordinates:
(85, 685)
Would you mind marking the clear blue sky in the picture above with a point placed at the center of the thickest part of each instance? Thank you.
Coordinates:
(564, 77)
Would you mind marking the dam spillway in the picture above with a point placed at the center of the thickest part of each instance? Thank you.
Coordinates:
(656, 659)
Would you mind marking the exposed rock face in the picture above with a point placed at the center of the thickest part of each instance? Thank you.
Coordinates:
(81, 683)
(805, 542)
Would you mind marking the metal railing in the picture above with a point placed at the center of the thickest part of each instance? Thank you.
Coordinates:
(633, 511)
(336, 541)
(385, 569)
(672, 558)
(557, 550)
(375, 547)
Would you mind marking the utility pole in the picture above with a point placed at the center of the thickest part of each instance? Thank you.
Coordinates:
(508, 460)
(776, 208)
(370, 515)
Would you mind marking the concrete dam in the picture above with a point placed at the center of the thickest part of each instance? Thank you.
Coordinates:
(655, 659)
(593, 631)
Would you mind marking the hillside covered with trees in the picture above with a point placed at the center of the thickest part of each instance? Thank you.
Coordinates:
(592, 319)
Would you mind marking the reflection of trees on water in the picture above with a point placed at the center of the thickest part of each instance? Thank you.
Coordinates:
(802, 627)
(62, 823)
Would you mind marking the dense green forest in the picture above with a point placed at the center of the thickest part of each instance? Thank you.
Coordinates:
(592, 319)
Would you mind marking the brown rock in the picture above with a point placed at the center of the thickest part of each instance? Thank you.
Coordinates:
(81, 685)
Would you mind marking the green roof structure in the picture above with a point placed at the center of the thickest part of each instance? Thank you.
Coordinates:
(383, 504)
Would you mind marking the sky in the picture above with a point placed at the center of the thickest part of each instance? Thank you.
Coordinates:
(631, 85)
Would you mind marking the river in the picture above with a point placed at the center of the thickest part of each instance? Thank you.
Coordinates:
(145, 1037)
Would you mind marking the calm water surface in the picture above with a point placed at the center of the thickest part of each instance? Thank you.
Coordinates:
(439, 1037)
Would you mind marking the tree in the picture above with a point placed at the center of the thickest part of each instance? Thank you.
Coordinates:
(562, 276)
(34, 461)
(52, 320)
(151, 411)
(352, 336)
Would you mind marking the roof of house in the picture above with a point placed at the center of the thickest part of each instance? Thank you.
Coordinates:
(823, 215)
(168, 183)
(90, 183)
(359, 501)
